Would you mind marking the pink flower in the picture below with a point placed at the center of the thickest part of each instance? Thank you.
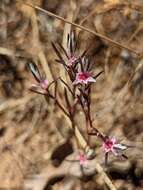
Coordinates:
(83, 78)
(67, 56)
(111, 145)
(42, 84)
(41, 87)
(83, 159)
(71, 61)
(108, 145)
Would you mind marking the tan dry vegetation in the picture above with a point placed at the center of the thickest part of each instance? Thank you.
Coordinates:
(31, 133)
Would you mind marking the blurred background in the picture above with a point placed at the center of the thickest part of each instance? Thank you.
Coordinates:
(34, 137)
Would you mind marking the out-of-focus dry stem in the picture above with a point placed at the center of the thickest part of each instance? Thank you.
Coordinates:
(6, 51)
(105, 177)
(13, 156)
(135, 33)
(123, 91)
(84, 28)
(41, 54)
(103, 9)
(106, 63)
(12, 103)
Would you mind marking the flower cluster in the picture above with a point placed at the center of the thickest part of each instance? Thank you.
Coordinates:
(81, 76)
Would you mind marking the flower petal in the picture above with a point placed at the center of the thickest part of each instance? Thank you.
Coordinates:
(91, 79)
(120, 146)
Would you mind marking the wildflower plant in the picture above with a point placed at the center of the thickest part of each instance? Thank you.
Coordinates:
(79, 69)
(42, 83)
(70, 55)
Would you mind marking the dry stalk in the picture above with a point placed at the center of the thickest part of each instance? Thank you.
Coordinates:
(67, 29)
(85, 29)
(123, 91)
(6, 51)
(36, 42)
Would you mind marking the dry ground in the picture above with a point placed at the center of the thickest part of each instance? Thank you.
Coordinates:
(34, 137)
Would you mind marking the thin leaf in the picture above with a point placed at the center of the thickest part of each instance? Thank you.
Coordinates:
(84, 53)
(68, 42)
(98, 74)
(67, 86)
(62, 63)
(106, 158)
(81, 65)
(124, 156)
(73, 41)
(35, 71)
(50, 84)
(55, 90)
(67, 99)
(57, 51)
(38, 89)
(87, 64)
(63, 49)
